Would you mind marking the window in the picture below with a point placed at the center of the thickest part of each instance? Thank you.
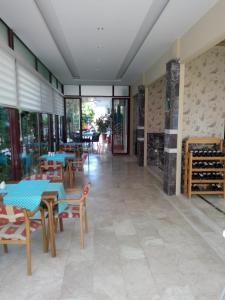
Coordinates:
(43, 70)
(30, 148)
(5, 146)
(3, 33)
(121, 90)
(59, 87)
(44, 133)
(73, 119)
(24, 52)
(54, 82)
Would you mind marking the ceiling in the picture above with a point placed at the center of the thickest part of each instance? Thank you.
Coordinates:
(101, 41)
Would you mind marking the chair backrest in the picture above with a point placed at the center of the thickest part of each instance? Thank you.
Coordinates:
(37, 177)
(11, 214)
(50, 165)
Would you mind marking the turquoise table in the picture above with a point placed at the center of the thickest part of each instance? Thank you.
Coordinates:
(28, 193)
(60, 157)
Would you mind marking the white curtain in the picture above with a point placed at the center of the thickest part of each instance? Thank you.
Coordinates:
(59, 104)
(29, 89)
(7, 80)
(46, 98)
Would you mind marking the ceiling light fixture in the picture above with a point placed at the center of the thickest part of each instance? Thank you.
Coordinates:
(154, 13)
(100, 28)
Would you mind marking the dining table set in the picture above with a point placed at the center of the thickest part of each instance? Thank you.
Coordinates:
(31, 195)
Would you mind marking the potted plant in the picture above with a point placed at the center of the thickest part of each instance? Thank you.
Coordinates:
(102, 125)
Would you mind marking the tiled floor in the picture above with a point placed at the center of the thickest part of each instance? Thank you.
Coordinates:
(141, 245)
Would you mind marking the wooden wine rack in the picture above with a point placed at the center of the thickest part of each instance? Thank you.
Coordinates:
(189, 170)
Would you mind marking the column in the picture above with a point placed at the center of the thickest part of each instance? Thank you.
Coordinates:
(140, 124)
(171, 126)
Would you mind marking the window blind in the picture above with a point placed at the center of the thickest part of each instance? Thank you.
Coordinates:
(46, 98)
(29, 90)
(7, 80)
(59, 104)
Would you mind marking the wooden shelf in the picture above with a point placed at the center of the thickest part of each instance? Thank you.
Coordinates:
(207, 181)
(189, 169)
(208, 157)
(208, 170)
(207, 192)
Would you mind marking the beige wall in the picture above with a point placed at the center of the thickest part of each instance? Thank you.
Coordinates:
(155, 113)
(204, 95)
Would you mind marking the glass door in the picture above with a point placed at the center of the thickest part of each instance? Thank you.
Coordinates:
(120, 119)
(73, 120)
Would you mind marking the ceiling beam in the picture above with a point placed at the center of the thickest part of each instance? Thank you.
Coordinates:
(149, 22)
(49, 16)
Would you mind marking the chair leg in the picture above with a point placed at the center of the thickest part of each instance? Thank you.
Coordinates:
(81, 231)
(61, 225)
(28, 252)
(5, 247)
(86, 220)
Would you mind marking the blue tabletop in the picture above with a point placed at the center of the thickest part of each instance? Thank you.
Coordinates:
(60, 157)
(28, 194)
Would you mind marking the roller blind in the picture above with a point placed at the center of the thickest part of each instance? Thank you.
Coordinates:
(46, 98)
(29, 90)
(59, 104)
(7, 80)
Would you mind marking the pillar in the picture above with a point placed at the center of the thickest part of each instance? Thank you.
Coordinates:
(140, 124)
(171, 126)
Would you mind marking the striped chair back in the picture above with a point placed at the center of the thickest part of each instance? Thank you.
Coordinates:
(11, 214)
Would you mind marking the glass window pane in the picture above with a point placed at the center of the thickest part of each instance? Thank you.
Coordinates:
(24, 52)
(54, 82)
(71, 90)
(44, 133)
(43, 70)
(30, 142)
(73, 119)
(96, 90)
(60, 87)
(120, 126)
(3, 33)
(122, 91)
(5, 146)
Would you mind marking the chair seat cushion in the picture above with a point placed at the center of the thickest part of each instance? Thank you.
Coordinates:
(17, 231)
(72, 211)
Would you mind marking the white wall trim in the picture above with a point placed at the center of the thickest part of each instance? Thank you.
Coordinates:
(171, 131)
(170, 150)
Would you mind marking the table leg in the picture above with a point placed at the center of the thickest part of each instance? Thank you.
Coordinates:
(51, 229)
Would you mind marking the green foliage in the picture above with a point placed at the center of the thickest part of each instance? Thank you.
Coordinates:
(103, 123)
(87, 113)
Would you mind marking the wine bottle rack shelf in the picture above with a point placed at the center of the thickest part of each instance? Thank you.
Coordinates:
(215, 183)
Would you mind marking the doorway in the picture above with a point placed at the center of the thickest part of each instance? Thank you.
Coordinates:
(106, 116)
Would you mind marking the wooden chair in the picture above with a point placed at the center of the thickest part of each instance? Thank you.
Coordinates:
(16, 228)
(53, 170)
(76, 209)
(75, 165)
